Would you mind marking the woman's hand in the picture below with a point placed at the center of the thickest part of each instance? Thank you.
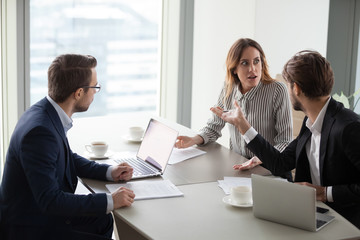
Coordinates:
(185, 142)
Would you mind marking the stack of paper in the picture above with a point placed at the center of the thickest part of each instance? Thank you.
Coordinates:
(230, 182)
(149, 189)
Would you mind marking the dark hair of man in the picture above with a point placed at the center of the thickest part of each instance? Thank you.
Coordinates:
(311, 72)
(67, 73)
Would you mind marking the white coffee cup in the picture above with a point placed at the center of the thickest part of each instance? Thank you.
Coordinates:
(241, 195)
(136, 133)
(98, 148)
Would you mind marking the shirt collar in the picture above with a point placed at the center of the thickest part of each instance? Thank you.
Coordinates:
(66, 121)
(250, 94)
(317, 125)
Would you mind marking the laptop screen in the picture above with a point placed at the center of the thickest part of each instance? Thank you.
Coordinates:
(157, 144)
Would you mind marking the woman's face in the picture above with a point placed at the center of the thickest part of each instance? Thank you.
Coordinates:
(249, 69)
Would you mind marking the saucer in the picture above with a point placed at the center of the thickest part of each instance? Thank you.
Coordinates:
(227, 200)
(129, 139)
(107, 155)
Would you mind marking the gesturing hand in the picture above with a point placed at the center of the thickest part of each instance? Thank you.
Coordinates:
(185, 142)
(234, 117)
(253, 162)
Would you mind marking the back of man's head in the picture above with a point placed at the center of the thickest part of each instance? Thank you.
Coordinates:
(67, 73)
(311, 72)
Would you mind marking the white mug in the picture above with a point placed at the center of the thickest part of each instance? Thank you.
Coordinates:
(241, 195)
(136, 133)
(98, 148)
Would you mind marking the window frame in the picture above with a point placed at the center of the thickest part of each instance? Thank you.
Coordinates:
(175, 76)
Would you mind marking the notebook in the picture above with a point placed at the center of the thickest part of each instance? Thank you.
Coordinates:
(154, 151)
(287, 203)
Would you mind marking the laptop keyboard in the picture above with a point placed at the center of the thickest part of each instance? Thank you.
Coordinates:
(319, 223)
(140, 167)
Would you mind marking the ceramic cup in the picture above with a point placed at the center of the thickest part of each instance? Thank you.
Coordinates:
(136, 133)
(241, 195)
(98, 148)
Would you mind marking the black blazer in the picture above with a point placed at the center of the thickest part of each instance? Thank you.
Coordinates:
(339, 158)
(40, 175)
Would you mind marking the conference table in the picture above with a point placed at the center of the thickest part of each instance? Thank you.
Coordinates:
(201, 212)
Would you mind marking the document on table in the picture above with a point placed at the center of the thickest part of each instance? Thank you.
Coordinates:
(182, 154)
(149, 189)
(230, 182)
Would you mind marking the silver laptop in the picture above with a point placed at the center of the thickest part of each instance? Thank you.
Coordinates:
(154, 151)
(286, 203)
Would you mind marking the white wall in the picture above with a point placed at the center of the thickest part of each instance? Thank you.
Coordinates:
(217, 24)
(285, 27)
(282, 27)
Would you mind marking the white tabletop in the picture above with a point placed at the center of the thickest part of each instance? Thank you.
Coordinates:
(201, 214)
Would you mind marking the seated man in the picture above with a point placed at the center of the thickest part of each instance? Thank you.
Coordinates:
(37, 199)
(326, 154)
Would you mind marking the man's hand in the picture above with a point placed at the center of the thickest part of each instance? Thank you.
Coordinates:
(123, 197)
(253, 162)
(234, 117)
(185, 142)
(123, 171)
(320, 191)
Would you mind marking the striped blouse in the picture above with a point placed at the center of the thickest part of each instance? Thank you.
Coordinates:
(266, 107)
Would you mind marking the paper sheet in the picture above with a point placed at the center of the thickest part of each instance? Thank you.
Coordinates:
(149, 189)
(182, 154)
(230, 182)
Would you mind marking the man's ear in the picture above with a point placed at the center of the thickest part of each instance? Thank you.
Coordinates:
(296, 89)
(78, 93)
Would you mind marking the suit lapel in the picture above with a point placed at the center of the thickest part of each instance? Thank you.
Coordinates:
(325, 132)
(302, 162)
(302, 142)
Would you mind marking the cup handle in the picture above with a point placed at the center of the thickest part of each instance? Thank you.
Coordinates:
(88, 148)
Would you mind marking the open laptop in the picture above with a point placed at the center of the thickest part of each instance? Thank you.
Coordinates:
(286, 203)
(154, 151)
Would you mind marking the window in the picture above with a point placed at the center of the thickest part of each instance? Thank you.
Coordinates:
(124, 37)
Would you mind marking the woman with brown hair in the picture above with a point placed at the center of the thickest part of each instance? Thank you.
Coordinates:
(264, 101)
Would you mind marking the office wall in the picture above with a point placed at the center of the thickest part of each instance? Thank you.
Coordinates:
(217, 24)
(282, 27)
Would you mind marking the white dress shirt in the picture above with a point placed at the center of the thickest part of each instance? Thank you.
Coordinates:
(312, 147)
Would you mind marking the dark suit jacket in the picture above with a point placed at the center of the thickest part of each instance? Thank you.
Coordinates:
(339, 158)
(40, 174)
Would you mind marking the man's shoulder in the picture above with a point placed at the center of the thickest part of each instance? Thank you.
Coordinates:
(338, 111)
(36, 116)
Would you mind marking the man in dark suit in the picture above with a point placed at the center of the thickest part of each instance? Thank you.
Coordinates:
(326, 154)
(37, 199)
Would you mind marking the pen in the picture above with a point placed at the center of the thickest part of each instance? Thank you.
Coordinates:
(225, 111)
